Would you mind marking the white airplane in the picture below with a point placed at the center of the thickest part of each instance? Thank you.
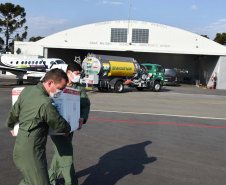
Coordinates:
(29, 69)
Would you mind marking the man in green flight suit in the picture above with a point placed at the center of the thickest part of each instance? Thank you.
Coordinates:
(36, 112)
(63, 158)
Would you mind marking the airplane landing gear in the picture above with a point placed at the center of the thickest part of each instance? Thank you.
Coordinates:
(20, 82)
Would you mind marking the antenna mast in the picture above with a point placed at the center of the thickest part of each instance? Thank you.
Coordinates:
(129, 17)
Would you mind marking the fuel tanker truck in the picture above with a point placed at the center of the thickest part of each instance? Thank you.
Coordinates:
(112, 72)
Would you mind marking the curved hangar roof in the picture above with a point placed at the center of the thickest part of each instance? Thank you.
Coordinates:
(137, 36)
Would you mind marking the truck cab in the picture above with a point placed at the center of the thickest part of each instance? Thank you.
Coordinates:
(155, 71)
(151, 76)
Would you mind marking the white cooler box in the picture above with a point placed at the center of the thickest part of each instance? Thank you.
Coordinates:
(68, 105)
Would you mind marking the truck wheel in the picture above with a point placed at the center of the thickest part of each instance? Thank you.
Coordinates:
(119, 87)
(103, 89)
(140, 88)
(100, 89)
(20, 82)
(157, 87)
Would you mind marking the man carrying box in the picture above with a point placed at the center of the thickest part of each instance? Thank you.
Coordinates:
(36, 112)
(63, 158)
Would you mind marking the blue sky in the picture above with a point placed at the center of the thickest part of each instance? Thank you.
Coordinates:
(45, 17)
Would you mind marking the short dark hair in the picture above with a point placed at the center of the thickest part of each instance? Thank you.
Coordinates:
(56, 75)
(74, 66)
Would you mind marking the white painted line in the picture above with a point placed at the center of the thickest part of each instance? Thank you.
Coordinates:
(192, 94)
(182, 116)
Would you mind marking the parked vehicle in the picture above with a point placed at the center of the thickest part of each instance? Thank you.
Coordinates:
(108, 72)
(170, 77)
(150, 76)
(111, 72)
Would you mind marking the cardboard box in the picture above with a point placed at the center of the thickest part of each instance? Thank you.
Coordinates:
(68, 105)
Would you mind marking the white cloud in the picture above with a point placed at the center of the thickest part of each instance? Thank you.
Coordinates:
(194, 7)
(43, 26)
(111, 2)
(212, 29)
(220, 22)
(42, 22)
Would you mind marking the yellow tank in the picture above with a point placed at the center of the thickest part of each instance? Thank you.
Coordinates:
(121, 68)
(110, 66)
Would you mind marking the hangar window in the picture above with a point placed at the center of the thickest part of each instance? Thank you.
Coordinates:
(118, 34)
(159, 69)
(140, 35)
(149, 68)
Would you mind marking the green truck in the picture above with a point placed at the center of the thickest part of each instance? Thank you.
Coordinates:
(150, 76)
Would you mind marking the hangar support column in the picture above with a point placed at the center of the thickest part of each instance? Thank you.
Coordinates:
(221, 74)
(45, 53)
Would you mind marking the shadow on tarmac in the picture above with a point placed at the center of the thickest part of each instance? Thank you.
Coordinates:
(117, 164)
(129, 90)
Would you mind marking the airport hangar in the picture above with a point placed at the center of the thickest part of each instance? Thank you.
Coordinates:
(195, 58)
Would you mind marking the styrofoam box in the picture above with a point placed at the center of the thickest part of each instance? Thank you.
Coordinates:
(68, 105)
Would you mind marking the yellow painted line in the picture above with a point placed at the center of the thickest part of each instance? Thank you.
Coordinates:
(172, 101)
(16, 83)
(89, 88)
(10, 84)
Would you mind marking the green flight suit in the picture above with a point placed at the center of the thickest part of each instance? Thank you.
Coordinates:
(63, 158)
(35, 112)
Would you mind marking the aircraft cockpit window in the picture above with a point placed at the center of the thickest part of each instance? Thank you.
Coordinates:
(25, 62)
(36, 62)
(29, 62)
(17, 62)
(51, 62)
(60, 62)
(33, 62)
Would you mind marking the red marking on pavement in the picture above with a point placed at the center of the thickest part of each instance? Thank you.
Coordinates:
(188, 125)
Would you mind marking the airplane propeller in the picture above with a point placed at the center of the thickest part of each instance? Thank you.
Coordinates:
(44, 64)
(52, 65)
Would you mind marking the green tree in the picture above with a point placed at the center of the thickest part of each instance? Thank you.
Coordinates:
(220, 38)
(12, 20)
(1, 43)
(34, 39)
(205, 36)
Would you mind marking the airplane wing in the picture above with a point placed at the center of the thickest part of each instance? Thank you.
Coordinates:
(13, 70)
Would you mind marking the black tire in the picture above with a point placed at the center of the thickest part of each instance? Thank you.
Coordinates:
(20, 82)
(119, 87)
(103, 89)
(140, 88)
(100, 89)
(157, 86)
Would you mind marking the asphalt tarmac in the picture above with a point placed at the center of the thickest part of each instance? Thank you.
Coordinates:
(173, 137)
